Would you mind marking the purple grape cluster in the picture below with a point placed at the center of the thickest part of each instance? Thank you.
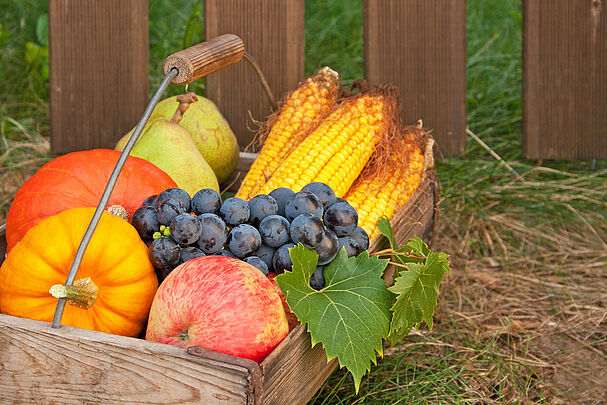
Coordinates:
(260, 231)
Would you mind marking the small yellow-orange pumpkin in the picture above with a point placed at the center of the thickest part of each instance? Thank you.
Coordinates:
(116, 260)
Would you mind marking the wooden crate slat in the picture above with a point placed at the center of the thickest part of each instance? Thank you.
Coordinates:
(420, 46)
(98, 71)
(273, 34)
(71, 365)
(564, 79)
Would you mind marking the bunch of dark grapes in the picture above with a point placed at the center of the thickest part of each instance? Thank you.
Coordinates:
(259, 231)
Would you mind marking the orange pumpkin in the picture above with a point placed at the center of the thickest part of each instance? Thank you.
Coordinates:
(78, 179)
(116, 261)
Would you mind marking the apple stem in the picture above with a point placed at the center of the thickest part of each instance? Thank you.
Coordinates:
(83, 293)
(184, 102)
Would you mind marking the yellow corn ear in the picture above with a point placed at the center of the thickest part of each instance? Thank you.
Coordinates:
(386, 193)
(300, 114)
(335, 152)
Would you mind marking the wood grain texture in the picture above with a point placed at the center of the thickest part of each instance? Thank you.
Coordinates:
(204, 58)
(74, 366)
(420, 46)
(273, 33)
(565, 79)
(98, 71)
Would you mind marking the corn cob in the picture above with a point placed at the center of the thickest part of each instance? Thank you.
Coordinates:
(300, 114)
(336, 152)
(387, 191)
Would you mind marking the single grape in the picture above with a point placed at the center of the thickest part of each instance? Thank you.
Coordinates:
(161, 274)
(235, 211)
(258, 263)
(360, 236)
(317, 280)
(274, 230)
(341, 218)
(175, 193)
(189, 253)
(145, 221)
(281, 195)
(352, 246)
(244, 240)
(282, 259)
(186, 228)
(150, 201)
(206, 201)
(328, 247)
(307, 229)
(266, 253)
(261, 206)
(169, 209)
(214, 233)
(337, 200)
(303, 202)
(164, 253)
(324, 192)
(226, 253)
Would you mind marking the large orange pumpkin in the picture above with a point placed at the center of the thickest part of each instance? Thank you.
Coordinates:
(116, 261)
(78, 179)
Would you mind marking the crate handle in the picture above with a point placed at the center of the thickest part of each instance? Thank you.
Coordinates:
(196, 61)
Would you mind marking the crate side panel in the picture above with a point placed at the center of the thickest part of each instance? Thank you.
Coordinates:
(565, 79)
(70, 365)
(295, 370)
(420, 47)
(273, 34)
(98, 59)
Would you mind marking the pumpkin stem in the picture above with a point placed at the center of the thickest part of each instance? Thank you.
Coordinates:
(184, 102)
(83, 293)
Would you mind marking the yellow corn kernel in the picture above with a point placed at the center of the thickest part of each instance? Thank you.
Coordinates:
(385, 194)
(301, 113)
(335, 152)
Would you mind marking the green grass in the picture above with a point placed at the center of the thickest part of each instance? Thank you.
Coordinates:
(544, 222)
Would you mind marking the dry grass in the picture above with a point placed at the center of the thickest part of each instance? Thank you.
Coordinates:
(523, 317)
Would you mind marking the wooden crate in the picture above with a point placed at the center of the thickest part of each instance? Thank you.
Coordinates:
(72, 365)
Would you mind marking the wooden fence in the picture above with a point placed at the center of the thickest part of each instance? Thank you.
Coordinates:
(99, 80)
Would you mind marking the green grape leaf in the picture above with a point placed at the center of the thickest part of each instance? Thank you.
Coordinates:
(351, 315)
(416, 294)
(384, 227)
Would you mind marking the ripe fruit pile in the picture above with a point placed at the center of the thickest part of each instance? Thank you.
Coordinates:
(178, 228)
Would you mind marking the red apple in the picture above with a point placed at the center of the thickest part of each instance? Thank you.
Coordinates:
(219, 303)
(291, 317)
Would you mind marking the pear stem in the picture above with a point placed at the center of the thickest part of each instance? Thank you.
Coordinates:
(184, 102)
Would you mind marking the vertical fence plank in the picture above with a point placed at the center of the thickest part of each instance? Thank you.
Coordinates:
(565, 79)
(98, 71)
(420, 46)
(273, 34)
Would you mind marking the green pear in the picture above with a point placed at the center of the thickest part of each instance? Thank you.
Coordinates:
(210, 132)
(169, 146)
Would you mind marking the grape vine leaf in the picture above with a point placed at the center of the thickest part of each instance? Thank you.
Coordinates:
(416, 285)
(351, 315)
